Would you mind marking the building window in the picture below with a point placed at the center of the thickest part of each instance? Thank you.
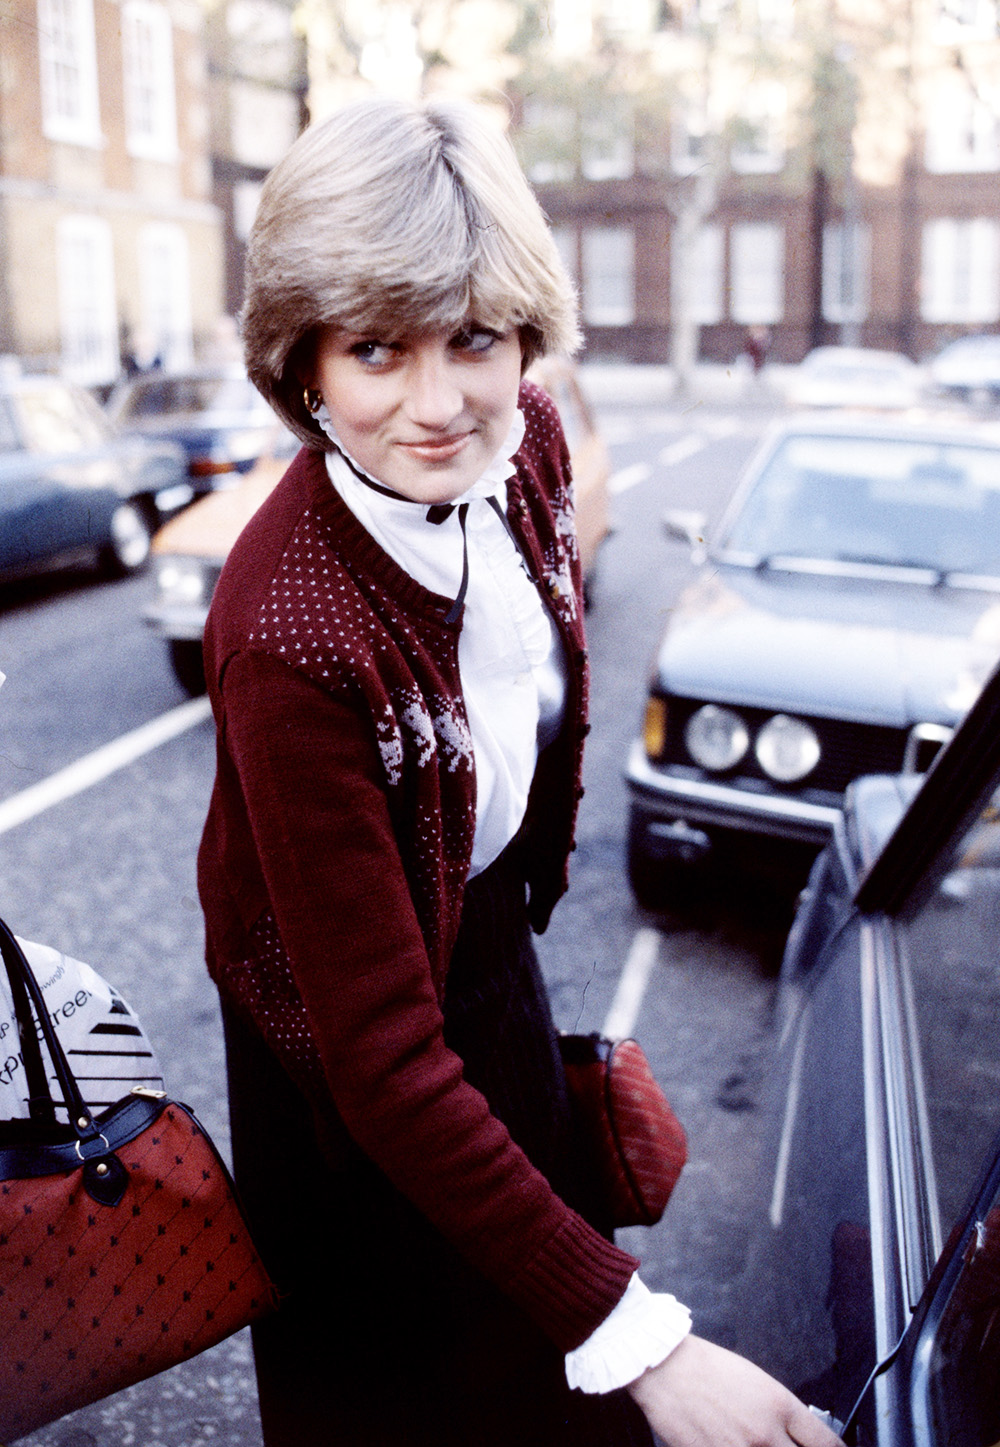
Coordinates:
(607, 149)
(246, 199)
(148, 52)
(608, 281)
(757, 273)
(697, 278)
(165, 281)
(962, 20)
(759, 146)
(68, 60)
(690, 140)
(568, 246)
(963, 133)
(961, 271)
(846, 272)
(87, 316)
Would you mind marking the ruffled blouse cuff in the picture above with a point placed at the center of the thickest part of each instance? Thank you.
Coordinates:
(640, 1332)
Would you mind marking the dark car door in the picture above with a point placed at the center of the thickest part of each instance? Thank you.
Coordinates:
(57, 478)
(874, 1285)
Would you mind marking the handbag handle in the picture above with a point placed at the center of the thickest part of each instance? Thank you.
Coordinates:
(25, 987)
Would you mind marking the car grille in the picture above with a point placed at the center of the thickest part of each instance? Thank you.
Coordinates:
(847, 749)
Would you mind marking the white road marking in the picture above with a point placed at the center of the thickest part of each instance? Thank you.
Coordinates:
(629, 477)
(682, 449)
(624, 1012)
(94, 767)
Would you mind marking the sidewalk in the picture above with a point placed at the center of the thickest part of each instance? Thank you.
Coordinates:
(627, 384)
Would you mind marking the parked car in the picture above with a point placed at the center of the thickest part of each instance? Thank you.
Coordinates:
(855, 377)
(872, 1285)
(969, 369)
(842, 620)
(191, 550)
(216, 415)
(73, 490)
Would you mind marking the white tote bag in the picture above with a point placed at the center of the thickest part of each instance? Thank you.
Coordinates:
(102, 1036)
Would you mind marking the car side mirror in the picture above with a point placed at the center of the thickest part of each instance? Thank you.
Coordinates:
(686, 527)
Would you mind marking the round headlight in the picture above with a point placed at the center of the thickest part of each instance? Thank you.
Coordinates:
(787, 749)
(716, 737)
(181, 580)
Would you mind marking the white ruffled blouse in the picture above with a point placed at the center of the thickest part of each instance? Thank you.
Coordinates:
(513, 683)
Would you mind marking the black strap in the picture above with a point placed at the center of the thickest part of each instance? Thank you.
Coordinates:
(19, 971)
(370, 481)
(41, 1106)
(438, 514)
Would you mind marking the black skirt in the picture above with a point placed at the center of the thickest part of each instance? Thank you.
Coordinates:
(386, 1335)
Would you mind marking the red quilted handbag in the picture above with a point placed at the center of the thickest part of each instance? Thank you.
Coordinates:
(123, 1249)
(637, 1142)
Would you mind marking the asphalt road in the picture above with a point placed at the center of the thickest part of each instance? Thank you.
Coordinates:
(107, 874)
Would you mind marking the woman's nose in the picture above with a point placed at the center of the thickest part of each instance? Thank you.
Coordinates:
(433, 398)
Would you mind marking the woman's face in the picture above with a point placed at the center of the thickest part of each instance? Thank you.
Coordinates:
(424, 413)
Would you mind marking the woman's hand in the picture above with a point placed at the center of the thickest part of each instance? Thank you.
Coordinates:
(705, 1396)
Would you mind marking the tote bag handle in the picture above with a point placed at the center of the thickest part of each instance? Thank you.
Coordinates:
(25, 988)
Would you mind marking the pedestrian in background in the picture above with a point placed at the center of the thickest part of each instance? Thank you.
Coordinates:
(395, 657)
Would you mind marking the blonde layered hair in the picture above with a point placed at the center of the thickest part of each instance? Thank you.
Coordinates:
(389, 218)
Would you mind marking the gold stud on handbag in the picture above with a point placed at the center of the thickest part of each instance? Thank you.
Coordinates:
(123, 1249)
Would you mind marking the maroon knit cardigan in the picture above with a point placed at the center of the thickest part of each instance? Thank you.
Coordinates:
(338, 842)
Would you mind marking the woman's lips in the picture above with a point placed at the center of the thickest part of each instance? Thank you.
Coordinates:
(437, 449)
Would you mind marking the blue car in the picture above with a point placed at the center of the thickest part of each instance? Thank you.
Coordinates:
(215, 414)
(872, 1283)
(73, 490)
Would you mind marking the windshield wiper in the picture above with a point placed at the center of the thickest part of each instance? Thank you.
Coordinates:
(849, 565)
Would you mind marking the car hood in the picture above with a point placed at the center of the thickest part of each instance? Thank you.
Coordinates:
(210, 526)
(882, 652)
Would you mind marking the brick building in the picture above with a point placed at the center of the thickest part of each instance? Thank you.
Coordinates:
(109, 237)
(901, 251)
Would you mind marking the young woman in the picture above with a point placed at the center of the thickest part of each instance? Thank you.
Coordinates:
(396, 661)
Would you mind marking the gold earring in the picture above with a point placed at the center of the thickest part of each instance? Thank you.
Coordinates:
(313, 399)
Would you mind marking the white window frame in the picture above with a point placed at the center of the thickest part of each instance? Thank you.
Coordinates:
(846, 277)
(963, 133)
(705, 276)
(960, 273)
(607, 152)
(765, 111)
(757, 273)
(88, 319)
(962, 20)
(608, 280)
(689, 140)
(165, 293)
(150, 86)
(568, 246)
(67, 57)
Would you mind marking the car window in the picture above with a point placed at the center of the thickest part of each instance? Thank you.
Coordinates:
(957, 1374)
(893, 502)
(181, 396)
(59, 419)
(951, 949)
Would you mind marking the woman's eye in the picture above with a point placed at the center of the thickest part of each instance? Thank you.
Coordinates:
(373, 354)
(475, 339)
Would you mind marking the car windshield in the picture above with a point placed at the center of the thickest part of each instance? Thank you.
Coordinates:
(56, 419)
(869, 502)
(187, 396)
